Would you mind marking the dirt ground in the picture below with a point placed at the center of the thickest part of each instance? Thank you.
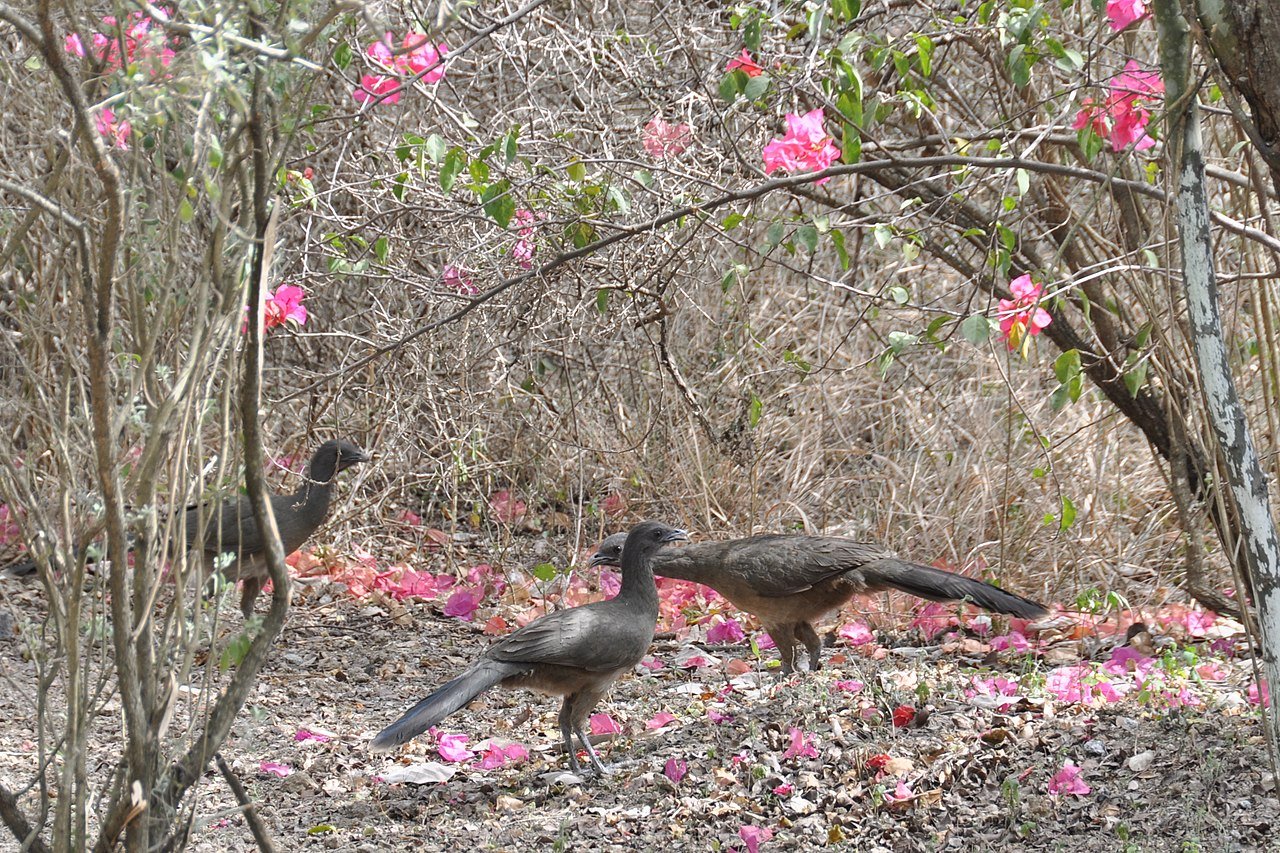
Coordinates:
(977, 773)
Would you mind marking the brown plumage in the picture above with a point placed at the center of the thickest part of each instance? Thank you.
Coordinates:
(790, 581)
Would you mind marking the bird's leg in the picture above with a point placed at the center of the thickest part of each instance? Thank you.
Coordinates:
(812, 642)
(591, 752)
(252, 586)
(784, 638)
(566, 734)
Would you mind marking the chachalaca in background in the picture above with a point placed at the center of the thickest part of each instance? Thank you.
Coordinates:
(576, 653)
(790, 581)
(232, 542)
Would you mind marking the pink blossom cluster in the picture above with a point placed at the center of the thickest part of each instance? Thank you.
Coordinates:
(416, 58)
(137, 38)
(1122, 118)
(284, 306)
(744, 63)
(1022, 316)
(663, 141)
(1122, 13)
(805, 147)
(524, 250)
(458, 279)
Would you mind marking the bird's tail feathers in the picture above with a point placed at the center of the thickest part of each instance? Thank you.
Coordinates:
(936, 585)
(451, 696)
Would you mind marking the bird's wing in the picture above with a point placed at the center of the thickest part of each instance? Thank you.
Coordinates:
(780, 565)
(591, 637)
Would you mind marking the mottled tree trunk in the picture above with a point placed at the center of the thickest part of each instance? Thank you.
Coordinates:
(1248, 483)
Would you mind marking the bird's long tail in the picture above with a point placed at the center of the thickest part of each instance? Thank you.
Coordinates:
(937, 585)
(454, 694)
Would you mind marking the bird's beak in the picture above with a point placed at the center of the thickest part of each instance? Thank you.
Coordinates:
(676, 536)
(600, 559)
(365, 456)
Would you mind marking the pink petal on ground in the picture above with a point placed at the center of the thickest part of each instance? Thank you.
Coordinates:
(603, 724)
(274, 769)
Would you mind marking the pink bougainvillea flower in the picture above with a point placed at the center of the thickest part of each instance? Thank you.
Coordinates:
(1125, 659)
(1068, 780)
(901, 793)
(660, 719)
(304, 735)
(662, 140)
(603, 724)
(744, 63)
(1122, 13)
(849, 686)
(454, 748)
(463, 603)
(675, 769)
(1259, 697)
(1014, 640)
(783, 790)
(507, 507)
(284, 306)
(272, 768)
(523, 251)
(716, 717)
(377, 88)
(856, 634)
(1123, 117)
(1022, 317)
(801, 746)
(115, 130)
(725, 630)
(804, 147)
(421, 57)
(73, 45)
(496, 756)
(754, 836)
(458, 280)
(903, 716)
(142, 45)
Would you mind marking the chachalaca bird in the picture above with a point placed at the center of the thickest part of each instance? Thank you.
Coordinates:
(790, 581)
(232, 542)
(576, 653)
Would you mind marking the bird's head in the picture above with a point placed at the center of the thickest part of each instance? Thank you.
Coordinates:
(648, 536)
(333, 456)
(610, 551)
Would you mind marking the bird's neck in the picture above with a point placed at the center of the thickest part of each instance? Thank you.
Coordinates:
(316, 489)
(638, 587)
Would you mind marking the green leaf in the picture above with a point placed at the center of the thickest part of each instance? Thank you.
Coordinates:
(342, 56)
(837, 239)
(576, 171)
(751, 34)
(234, 652)
(544, 572)
(731, 84)
(924, 52)
(185, 211)
(435, 148)
(756, 86)
(381, 248)
(883, 234)
(322, 829)
(511, 145)
(1135, 378)
(774, 235)
(498, 203)
(808, 237)
(1068, 514)
(899, 295)
(1066, 367)
(1024, 181)
(602, 300)
(732, 221)
(850, 145)
(754, 411)
(479, 171)
(976, 329)
(454, 162)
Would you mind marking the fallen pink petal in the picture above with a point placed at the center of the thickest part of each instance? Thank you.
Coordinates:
(272, 768)
(1068, 780)
(603, 724)
(754, 836)
(675, 769)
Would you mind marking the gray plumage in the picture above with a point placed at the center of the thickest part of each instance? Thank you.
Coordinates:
(576, 653)
(789, 581)
(231, 539)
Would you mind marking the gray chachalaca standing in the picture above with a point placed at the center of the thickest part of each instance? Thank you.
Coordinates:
(576, 653)
(232, 542)
(790, 581)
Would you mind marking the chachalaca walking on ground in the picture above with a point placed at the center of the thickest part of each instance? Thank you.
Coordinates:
(576, 653)
(232, 542)
(790, 581)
